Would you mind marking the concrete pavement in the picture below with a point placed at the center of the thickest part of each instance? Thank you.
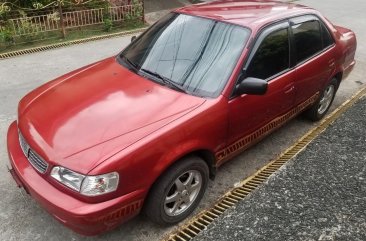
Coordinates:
(22, 218)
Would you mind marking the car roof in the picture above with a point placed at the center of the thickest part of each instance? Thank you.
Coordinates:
(248, 13)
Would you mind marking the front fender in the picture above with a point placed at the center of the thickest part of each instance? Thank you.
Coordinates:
(201, 131)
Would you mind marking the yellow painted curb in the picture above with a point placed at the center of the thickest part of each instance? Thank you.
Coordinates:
(68, 43)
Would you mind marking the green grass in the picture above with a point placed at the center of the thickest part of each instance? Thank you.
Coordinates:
(71, 34)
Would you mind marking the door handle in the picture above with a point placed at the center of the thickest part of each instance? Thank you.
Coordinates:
(290, 89)
(331, 63)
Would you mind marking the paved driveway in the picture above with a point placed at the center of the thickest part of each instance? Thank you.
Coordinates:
(22, 219)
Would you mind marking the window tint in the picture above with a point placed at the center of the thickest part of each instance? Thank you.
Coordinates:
(327, 38)
(272, 56)
(307, 38)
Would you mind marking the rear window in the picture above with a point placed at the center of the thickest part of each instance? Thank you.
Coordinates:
(327, 37)
(308, 39)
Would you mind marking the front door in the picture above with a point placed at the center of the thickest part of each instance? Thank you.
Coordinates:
(250, 115)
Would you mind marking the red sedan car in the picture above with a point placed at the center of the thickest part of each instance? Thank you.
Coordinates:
(146, 129)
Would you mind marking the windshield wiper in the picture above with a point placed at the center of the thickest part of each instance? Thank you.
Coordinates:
(166, 80)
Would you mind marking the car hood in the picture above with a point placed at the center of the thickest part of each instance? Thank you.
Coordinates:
(92, 113)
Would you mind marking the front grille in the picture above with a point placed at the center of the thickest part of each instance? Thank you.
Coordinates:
(34, 159)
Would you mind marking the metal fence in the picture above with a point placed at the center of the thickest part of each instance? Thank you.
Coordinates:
(71, 19)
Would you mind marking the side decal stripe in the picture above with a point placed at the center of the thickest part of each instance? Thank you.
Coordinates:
(246, 141)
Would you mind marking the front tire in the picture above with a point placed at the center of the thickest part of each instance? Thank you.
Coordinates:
(178, 191)
(320, 108)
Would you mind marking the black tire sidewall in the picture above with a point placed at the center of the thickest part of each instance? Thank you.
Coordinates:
(312, 113)
(334, 83)
(155, 202)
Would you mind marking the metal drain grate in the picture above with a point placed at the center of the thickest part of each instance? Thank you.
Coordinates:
(198, 223)
(65, 44)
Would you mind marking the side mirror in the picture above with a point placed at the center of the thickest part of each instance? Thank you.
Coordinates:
(252, 86)
(133, 38)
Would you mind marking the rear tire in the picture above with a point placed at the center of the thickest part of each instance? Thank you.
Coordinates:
(320, 108)
(178, 191)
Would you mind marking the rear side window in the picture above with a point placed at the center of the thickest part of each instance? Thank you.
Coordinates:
(327, 38)
(272, 56)
(308, 39)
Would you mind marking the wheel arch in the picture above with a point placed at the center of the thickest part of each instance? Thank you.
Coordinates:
(338, 76)
(209, 157)
(206, 155)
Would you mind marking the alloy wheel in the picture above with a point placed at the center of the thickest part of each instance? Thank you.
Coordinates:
(326, 100)
(182, 193)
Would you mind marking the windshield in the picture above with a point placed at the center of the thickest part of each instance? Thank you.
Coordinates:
(195, 54)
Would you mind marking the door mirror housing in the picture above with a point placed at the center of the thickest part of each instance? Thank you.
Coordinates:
(133, 38)
(252, 86)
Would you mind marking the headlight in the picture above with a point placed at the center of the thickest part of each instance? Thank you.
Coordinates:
(86, 185)
(67, 177)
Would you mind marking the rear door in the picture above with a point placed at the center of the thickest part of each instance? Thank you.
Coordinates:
(313, 55)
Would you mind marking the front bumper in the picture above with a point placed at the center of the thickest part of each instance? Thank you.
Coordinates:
(83, 218)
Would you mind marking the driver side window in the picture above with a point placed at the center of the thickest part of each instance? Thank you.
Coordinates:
(271, 57)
